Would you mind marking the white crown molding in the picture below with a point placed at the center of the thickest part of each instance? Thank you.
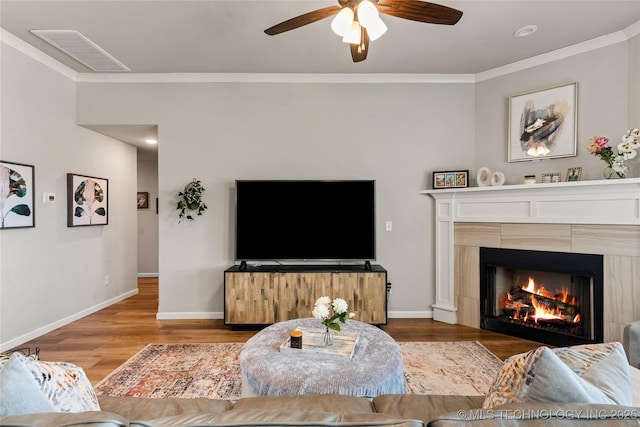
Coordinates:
(37, 55)
(274, 78)
(589, 45)
(552, 56)
(632, 30)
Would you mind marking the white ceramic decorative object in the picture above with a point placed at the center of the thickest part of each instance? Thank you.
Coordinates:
(497, 178)
(484, 177)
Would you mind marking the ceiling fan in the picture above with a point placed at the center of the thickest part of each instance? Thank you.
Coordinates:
(357, 21)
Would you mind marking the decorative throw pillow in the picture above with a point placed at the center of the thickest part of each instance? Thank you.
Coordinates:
(20, 393)
(513, 379)
(596, 373)
(65, 385)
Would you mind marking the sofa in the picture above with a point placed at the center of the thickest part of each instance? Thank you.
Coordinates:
(328, 410)
(599, 373)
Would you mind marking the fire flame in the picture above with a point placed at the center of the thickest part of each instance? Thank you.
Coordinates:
(541, 311)
(544, 313)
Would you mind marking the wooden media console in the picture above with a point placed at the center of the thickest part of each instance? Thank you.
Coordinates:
(273, 293)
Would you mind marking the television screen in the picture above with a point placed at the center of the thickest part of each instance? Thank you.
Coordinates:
(305, 220)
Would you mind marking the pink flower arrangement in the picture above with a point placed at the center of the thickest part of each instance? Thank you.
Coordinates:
(599, 147)
(597, 143)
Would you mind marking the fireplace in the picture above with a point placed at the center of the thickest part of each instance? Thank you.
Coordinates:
(550, 297)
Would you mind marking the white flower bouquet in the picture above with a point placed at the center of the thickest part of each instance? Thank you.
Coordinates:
(332, 312)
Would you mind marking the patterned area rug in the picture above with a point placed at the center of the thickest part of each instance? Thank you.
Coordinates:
(213, 370)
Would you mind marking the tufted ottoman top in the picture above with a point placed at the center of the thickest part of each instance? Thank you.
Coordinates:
(375, 368)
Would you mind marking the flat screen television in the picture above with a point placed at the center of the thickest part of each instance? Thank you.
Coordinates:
(305, 220)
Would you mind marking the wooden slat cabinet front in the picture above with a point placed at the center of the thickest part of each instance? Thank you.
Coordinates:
(366, 294)
(249, 298)
(266, 295)
(298, 292)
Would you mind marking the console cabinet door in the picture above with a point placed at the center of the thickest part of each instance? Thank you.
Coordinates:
(263, 298)
(365, 293)
(297, 292)
(250, 298)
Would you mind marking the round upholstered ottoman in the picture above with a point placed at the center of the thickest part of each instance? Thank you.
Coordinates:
(375, 367)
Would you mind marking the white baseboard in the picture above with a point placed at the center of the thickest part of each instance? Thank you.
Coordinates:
(161, 316)
(219, 315)
(410, 314)
(62, 322)
(148, 274)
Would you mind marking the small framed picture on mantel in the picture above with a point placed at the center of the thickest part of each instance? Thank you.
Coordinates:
(450, 179)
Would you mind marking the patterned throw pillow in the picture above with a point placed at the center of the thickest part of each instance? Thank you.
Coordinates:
(513, 379)
(595, 373)
(65, 385)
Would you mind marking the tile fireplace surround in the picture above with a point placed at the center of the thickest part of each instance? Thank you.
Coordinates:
(596, 217)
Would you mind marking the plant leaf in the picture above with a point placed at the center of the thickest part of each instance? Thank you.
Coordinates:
(21, 210)
(12, 183)
(101, 211)
(78, 212)
(334, 326)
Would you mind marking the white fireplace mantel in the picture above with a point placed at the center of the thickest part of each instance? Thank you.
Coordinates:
(610, 202)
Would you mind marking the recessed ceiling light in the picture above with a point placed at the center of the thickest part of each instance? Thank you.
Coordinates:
(525, 31)
(150, 141)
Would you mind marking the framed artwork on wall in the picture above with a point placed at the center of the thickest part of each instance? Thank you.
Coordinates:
(543, 124)
(17, 195)
(451, 179)
(143, 199)
(87, 200)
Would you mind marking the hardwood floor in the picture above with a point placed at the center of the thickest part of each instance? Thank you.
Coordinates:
(102, 341)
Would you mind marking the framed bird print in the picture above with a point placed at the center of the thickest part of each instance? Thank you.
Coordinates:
(543, 124)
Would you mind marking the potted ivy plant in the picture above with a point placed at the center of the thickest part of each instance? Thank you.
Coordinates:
(190, 201)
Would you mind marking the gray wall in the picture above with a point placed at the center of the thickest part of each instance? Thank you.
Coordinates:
(218, 132)
(147, 218)
(634, 82)
(51, 274)
(604, 100)
(393, 133)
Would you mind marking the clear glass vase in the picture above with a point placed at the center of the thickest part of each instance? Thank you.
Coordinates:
(327, 337)
(609, 173)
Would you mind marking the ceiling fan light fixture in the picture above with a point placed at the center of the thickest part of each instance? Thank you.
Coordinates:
(367, 12)
(376, 29)
(369, 18)
(353, 36)
(343, 21)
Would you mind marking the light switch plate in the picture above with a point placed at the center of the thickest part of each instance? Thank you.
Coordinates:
(48, 198)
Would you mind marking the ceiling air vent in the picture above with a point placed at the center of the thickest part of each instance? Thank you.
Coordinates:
(81, 49)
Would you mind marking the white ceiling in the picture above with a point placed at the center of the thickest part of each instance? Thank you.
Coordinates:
(226, 36)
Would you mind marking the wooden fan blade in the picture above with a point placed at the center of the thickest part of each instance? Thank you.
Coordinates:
(304, 19)
(416, 10)
(359, 51)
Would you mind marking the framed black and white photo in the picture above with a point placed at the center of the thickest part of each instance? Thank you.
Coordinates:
(17, 195)
(451, 179)
(87, 200)
(543, 124)
(573, 174)
(551, 177)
